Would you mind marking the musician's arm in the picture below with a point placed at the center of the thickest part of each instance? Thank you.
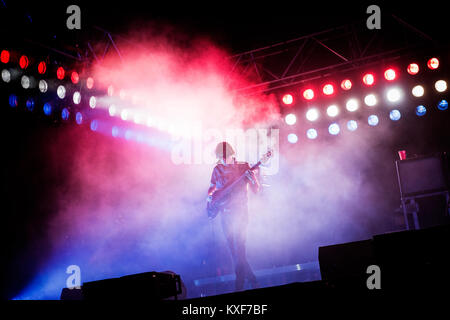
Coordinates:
(253, 181)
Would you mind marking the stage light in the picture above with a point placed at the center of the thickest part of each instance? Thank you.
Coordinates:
(112, 110)
(346, 84)
(6, 76)
(30, 104)
(395, 115)
(413, 68)
(292, 138)
(369, 79)
(352, 105)
(352, 125)
(60, 73)
(290, 119)
(328, 89)
(90, 83)
(418, 91)
(43, 86)
(76, 97)
(24, 62)
(394, 95)
(332, 111)
(47, 109)
(443, 105)
(149, 121)
(390, 75)
(370, 100)
(25, 82)
(288, 99)
(94, 125)
(372, 120)
(311, 133)
(79, 118)
(421, 110)
(74, 77)
(115, 131)
(308, 94)
(312, 114)
(124, 114)
(433, 63)
(440, 85)
(13, 101)
(110, 91)
(92, 102)
(4, 56)
(65, 114)
(42, 67)
(334, 129)
(137, 118)
(61, 92)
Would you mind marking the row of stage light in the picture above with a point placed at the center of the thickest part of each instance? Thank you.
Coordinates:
(304, 100)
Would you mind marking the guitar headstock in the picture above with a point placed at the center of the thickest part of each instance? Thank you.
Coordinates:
(267, 156)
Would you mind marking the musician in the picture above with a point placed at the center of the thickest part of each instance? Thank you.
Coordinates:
(234, 215)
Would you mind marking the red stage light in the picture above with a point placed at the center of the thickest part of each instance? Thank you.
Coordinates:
(413, 68)
(74, 77)
(60, 73)
(433, 63)
(328, 89)
(90, 83)
(42, 67)
(369, 79)
(346, 84)
(308, 94)
(288, 99)
(5, 56)
(389, 74)
(24, 62)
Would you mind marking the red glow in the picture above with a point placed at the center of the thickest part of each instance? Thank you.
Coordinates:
(346, 84)
(308, 94)
(390, 74)
(75, 77)
(433, 63)
(60, 73)
(90, 83)
(413, 68)
(5, 56)
(328, 89)
(288, 99)
(23, 62)
(42, 67)
(369, 79)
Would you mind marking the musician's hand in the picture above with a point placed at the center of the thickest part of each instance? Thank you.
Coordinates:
(209, 199)
(250, 176)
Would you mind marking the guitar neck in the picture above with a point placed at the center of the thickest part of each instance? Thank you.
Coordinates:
(231, 185)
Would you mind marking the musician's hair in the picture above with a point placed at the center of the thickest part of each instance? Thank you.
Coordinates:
(223, 150)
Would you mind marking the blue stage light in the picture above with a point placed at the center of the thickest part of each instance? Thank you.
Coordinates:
(115, 131)
(311, 133)
(352, 125)
(372, 120)
(395, 115)
(443, 105)
(334, 129)
(79, 118)
(65, 114)
(94, 125)
(47, 109)
(13, 102)
(292, 138)
(30, 104)
(421, 110)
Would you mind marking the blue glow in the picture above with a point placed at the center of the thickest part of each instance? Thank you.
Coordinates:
(79, 118)
(65, 114)
(334, 129)
(311, 133)
(94, 125)
(292, 138)
(30, 104)
(47, 109)
(443, 105)
(421, 110)
(13, 101)
(352, 125)
(373, 120)
(115, 131)
(395, 115)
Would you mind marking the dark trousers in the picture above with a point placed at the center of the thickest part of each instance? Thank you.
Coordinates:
(234, 225)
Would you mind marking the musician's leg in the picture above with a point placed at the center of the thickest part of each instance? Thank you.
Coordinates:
(228, 230)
